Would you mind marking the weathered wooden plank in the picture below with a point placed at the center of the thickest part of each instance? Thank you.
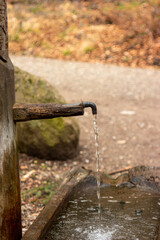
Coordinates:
(3, 31)
(26, 112)
(10, 212)
(10, 208)
(57, 202)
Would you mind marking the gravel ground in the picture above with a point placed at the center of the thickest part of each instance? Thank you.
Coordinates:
(128, 101)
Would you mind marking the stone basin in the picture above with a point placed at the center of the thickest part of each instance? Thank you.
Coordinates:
(130, 207)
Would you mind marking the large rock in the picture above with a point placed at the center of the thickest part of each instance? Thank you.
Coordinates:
(51, 138)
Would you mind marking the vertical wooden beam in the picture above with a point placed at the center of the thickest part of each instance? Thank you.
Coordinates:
(10, 208)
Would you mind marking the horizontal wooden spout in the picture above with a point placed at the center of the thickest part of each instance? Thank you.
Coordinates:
(26, 112)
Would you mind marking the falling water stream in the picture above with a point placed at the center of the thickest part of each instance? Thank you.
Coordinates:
(98, 166)
(124, 212)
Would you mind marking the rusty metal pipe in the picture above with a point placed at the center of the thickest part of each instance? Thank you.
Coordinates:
(91, 105)
(85, 105)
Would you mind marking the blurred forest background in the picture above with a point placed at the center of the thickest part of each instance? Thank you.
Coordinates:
(108, 31)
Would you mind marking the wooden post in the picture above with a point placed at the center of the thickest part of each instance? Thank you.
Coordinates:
(10, 207)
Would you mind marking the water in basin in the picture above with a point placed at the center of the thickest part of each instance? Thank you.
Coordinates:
(126, 214)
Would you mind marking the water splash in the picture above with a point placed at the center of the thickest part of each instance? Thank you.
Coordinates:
(79, 219)
(101, 234)
(98, 166)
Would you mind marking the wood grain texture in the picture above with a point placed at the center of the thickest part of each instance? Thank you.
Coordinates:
(3, 31)
(10, 207)
(25, 112)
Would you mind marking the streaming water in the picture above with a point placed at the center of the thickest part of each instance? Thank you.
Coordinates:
(123, 212)
(127, 214)
(98, 166)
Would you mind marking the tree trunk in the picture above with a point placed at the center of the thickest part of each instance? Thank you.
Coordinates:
(10, 208)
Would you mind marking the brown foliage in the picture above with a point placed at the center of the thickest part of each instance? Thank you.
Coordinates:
(116, 32)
